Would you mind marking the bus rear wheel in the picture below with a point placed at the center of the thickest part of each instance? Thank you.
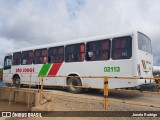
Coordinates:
(16, 81)
(74, 82)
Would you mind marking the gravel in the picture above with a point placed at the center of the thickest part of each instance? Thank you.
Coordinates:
(61, 100)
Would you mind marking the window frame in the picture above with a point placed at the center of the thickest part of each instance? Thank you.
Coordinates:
(27, 57)
(41, 56)
(139, 34)
(97, 50)
(74, 53)
(18, 58)
(58, 61)
(128, 48)
(8, 66)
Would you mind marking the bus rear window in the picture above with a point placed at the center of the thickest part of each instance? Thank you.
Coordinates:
(122, 48)
(144, 43)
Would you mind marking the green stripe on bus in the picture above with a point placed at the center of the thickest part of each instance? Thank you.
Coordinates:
(44, 70)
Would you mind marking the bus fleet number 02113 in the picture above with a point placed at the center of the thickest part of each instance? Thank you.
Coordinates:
(111, 69)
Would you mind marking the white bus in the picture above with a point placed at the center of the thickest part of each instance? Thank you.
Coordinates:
(128, 54)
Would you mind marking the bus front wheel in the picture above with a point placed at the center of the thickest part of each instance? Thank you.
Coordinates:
(74, 82)
(16, 81)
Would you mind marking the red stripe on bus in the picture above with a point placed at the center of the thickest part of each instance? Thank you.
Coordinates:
(54, 69)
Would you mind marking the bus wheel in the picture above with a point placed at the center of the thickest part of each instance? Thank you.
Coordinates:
(93, 90)
(74, 82)
(16, 81)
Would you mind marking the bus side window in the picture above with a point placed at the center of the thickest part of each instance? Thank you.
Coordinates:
(81, 55)
(49, 59)
(27, 57)
(74, 52)
(98, 50)
(104, 55)
(17, 58)
(122, 48)
(105, 49)
(24, 61)
(56, 54)
(30, 60)
(44, 56)
(117, 53)
(44, 60)
(90, 50)
(40, 56)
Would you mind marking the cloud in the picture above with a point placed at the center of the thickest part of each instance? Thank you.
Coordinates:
(35, 22)
(6, 46)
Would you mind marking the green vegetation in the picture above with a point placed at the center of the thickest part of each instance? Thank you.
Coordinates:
(1, 71)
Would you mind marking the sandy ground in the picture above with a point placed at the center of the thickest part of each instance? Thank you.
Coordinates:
(61, 100)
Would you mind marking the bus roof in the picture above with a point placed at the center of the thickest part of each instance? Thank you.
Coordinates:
(101, 37)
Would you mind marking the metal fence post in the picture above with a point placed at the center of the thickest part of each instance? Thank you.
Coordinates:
(158, 85)
(10, 96)
(42, 78)
(42, 83)
(30, 82)
(105, 92)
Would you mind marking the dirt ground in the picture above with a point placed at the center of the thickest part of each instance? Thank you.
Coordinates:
(4, 106)
(61, 100)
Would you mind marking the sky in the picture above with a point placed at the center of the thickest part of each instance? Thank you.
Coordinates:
(25, 23)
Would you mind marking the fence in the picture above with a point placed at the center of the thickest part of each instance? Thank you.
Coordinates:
(106, 89)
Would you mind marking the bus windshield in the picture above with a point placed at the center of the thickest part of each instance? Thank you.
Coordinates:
(144, 43)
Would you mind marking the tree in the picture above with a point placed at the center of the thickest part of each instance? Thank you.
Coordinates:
(1, 72)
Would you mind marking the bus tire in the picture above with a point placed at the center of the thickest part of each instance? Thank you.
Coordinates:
(16, 81)
(74, 82)
(94, 90)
